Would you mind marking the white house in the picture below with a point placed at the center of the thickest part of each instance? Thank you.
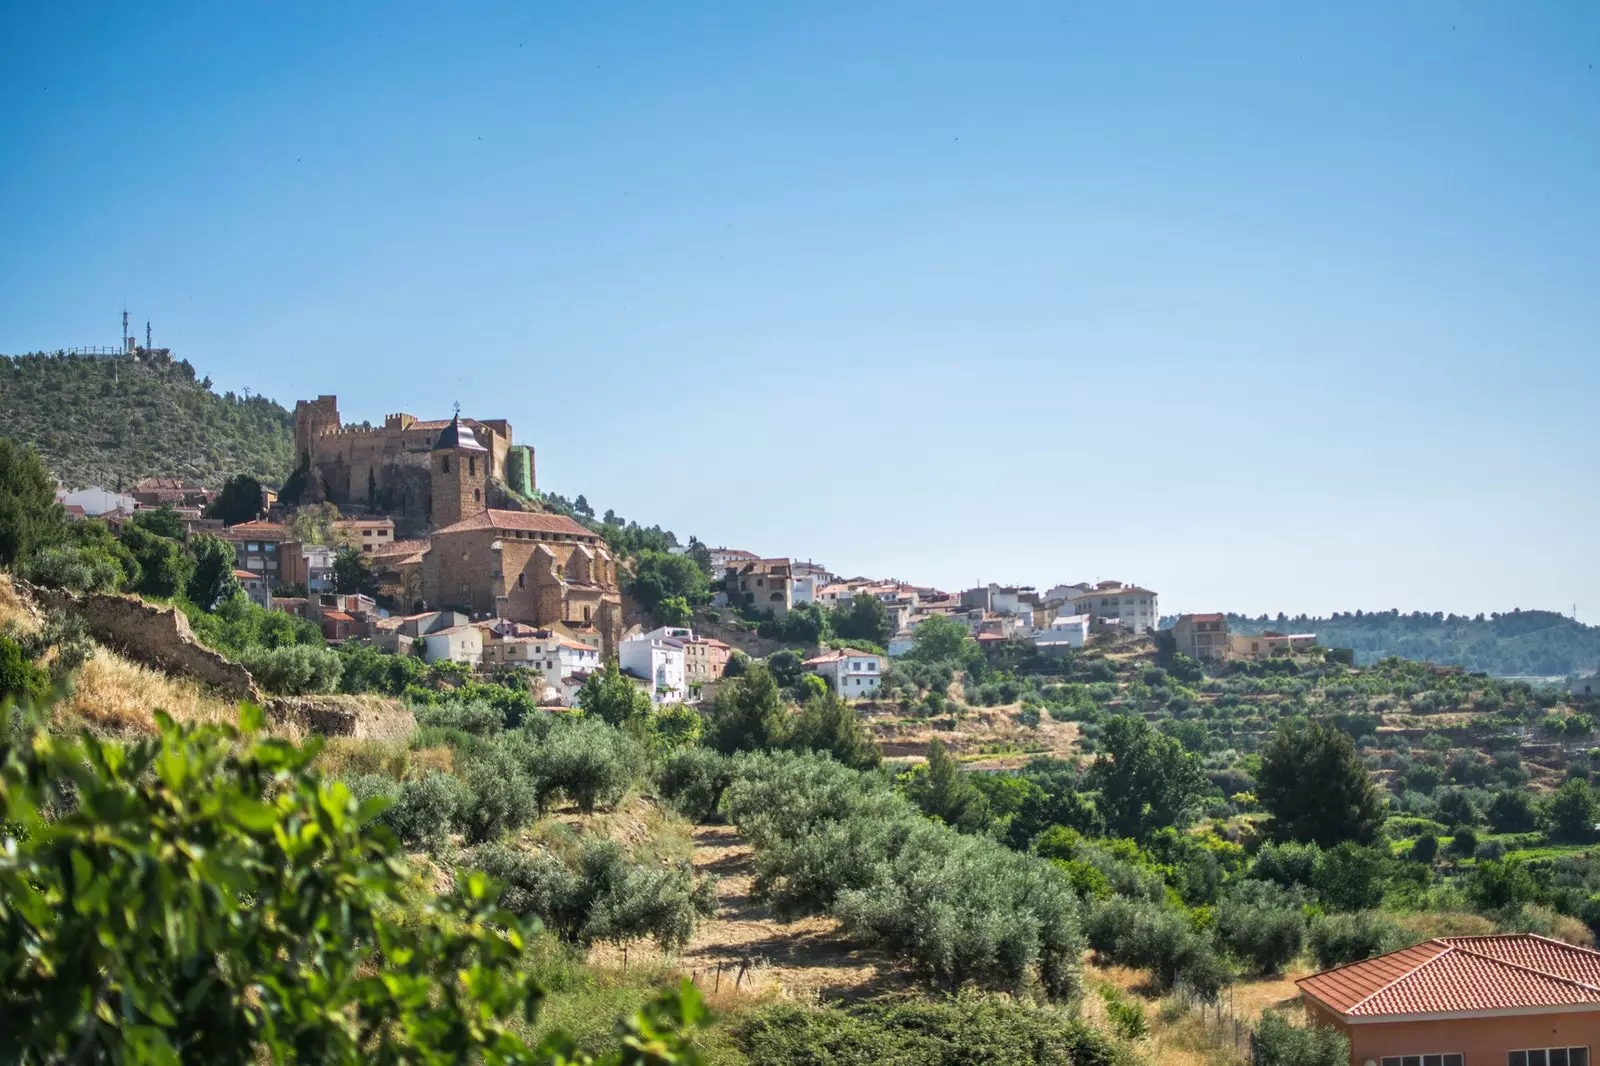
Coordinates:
(848, 672)
(1134, 607)
(1066, 631)
(458, 644)
(1586, 686)
(659, 661)
(97, 501)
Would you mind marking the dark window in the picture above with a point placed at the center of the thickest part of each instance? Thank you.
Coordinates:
(474, 495)
(472, 464)
(522, 581)
(444, 464)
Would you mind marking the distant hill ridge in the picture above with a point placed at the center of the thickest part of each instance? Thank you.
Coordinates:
(1539, 643)
(105, 421)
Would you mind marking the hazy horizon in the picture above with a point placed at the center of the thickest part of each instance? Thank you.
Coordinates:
(1265, 308)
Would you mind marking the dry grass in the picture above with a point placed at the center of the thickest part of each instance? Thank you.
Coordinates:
(1429, 924)
(14, 614)
(113, 695)
(1182, 1033)
(348, 757)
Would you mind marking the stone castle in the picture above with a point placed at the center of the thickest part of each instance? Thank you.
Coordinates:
(483, 552)
(387, 467)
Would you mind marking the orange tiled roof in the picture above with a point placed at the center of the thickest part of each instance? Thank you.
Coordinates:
(519, 520)
(1462, 975)
(1201, 617)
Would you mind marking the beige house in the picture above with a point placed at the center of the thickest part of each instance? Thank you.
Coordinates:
(1202, 636)
(762, 585)
(1265, 645)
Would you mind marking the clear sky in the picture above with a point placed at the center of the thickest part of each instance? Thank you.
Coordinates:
(1268, 306)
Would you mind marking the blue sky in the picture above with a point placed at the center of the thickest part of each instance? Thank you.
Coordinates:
(1266, 306)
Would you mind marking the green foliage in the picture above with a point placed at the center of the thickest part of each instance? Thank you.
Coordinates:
(660, 576)
(352, 572)
(787, 668)
(692, 782)
(164, 521)
(940, 639)
(1512, 811)
(205, 897)
(239, 501)
(1146, 781)
(674, 611)
(587, 761)
(1424, 849)
(962, 1030)
(675, 726)
(1351, 878)
(296, 670)
(425, 809)
(747, 715)
(20, 680)
(1150, 936)
(502, 794)
(1571, 812)
(164, 567)
(1261, 925)
(1279, 1043)
(1127, 1015)
(604, 897)
(1336, 939)
(827, 724)
(1287, 864)
(212, 580)
(864, 619)
(30, 517)
(831, 838)
(1315, 787)
(78, 568)
(238, 626)
(942, 791)
(612, 698)
(1500, 886)
(807, 623)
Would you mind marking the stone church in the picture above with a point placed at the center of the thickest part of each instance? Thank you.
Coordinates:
(491, 562)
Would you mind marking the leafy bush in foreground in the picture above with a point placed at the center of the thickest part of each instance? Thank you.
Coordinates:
(1278, 1043)
(287, 937)
(692, 781)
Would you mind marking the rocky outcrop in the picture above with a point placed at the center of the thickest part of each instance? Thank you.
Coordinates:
(362, 718)
(158, 637)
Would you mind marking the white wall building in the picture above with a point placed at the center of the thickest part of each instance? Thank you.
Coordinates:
(659, 661)
(1068, 630)
(1586, 686)
(97, 501)
(1133, 606)
(458, 644)
(850, 673)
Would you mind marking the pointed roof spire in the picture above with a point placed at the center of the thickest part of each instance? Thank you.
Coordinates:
(457, 436)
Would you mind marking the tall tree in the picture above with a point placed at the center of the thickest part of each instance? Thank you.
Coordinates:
(1571, 811)
(164, 521)
(747, 715)
(1313, 784)
(212, 580)
(865, 619)
(939, 639)
(611, 697)
(164, 567)
(826, 723)
(352, 573)
(1146, 781)
(239, 501)
(942, 790)
(30, 517)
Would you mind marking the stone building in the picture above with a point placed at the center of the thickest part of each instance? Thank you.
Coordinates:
(390, 467)
(540, 569)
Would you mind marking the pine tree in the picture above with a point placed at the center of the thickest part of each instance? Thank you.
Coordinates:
(1315, 787)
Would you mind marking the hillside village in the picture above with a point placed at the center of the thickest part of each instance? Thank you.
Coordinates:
(527, 683)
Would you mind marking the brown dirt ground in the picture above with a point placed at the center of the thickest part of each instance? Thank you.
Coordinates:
(805, 959)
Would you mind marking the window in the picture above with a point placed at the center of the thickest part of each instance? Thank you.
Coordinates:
(522, 581)
(472, 465)
(444, 464)
(474, 495)
(1448, 1059)
(1552, 1056)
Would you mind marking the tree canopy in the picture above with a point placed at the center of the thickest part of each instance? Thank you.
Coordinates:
(1146, 780)
(1315, 787)
(239, 500)
(30, 517)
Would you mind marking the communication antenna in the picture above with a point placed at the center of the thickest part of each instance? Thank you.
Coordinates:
(124, 329)
(147, 333)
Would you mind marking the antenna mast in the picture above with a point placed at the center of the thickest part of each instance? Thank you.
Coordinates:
(147, 334)
(124, 330)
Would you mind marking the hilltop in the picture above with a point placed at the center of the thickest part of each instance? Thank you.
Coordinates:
(1520, 643)
(109, 421)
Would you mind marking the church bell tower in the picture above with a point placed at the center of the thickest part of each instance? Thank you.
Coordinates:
(460, 475)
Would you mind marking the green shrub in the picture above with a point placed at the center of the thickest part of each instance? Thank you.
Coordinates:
(585, 760)
(1151, 937)
(20, 680)
(692, 782)
(1336, 939)
(1127, 1016)
(298, 670)
(425, 809)
(1261, 926)
(1278, 1043)
(604, 898)
(500, 795)
(475, 717)
(76, 567)
(1287, 864)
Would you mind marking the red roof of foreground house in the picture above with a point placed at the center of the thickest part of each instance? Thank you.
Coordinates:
(1514, 973)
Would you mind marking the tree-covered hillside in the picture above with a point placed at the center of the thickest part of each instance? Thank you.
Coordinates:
(1540, 643)
(101, 421)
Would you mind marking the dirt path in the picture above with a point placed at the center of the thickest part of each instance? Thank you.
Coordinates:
(745, 948)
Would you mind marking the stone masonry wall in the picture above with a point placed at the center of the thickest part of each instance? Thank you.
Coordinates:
(158, 637)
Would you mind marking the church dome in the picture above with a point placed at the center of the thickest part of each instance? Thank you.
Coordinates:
(457, 437)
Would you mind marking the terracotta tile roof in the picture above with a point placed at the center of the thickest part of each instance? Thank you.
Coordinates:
(842, 653)
(336, 616)
(518, 521)
(1200, 617)
(1462, 975)
(398, 547)
(246, 575)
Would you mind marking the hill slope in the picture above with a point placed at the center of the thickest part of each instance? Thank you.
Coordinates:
(1540, 643)
(101, 421)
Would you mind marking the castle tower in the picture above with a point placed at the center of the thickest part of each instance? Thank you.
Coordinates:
(460, 475)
